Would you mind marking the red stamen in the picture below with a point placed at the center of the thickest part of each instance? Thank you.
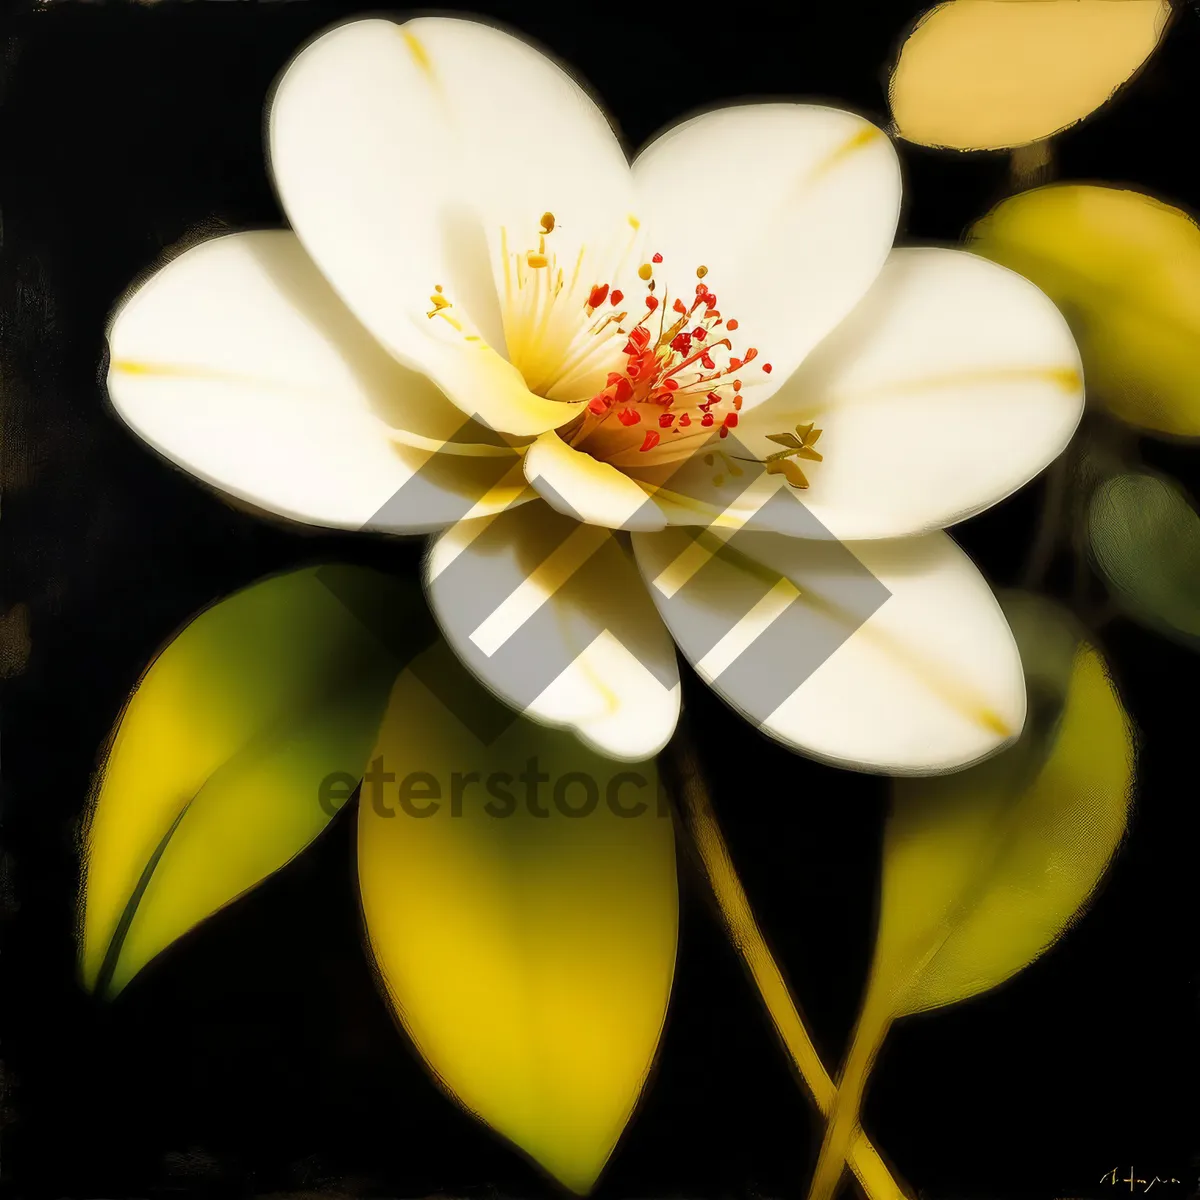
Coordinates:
(657, 258)
(596, 298)
(685, 419)
(766, 368)
(629, 416)
(651, 302)
(731, 323)
(667, 420)
(707, 419)
(617, 296)
(650, 440)
(599, 405)
(731, 420)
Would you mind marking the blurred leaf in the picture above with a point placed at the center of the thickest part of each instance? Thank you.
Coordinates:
(1145, 539)
(212, 778)
(529, 955)
(1124, 269)
(983, 870)
(990, 74)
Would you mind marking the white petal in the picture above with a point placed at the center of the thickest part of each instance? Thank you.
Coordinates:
(953, 383)
(580, 486)
(239, 363)
(552, 616)
(885, 656)
(398, 152)
(791, 207)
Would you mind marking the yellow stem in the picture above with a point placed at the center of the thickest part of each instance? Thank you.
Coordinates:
(872, 1173)
(843, 1128)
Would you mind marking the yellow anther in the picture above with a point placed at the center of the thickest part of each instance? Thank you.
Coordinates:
(547, 222)
(645, 271)
(701, 271)
(438, 301)
(536, 260)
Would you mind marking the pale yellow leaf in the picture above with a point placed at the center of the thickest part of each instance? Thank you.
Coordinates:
(990, 74)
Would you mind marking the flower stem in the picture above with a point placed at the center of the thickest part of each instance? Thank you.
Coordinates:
(1031, 165)
(1049, 531)
(843, 1125)
(747, 938)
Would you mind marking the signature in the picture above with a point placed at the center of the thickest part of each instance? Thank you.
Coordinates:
(1134, 1180)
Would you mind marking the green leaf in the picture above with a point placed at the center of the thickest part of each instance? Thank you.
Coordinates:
(1124, 268)
(527, 952)
(983, 870)
(1144, 536)
(213, 776)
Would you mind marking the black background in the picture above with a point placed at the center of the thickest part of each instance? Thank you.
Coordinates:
(255, 1056)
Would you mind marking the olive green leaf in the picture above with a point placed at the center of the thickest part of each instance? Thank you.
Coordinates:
(213, 776)
(520, 902)
(1144, 537)
(985, 869)
(1124, 268)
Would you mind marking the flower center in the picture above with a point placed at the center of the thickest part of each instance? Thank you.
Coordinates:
(661, 373)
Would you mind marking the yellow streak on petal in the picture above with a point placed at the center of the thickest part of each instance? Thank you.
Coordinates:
(417, 49)
(865, 136)
(956, 693)
(1068, 379)
(131, 366)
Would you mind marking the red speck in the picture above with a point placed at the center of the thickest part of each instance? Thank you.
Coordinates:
(681, 343)
(650, 440)
(737, 403)
(599, 405)
(670, 384)
(617, 296)
(734, 363)
(679, 306)
(707, 419)
(751, 354)
(724, 431)
(657, 258)
(685, 419)
(629, 416)
(596, 298)
(731, 323)
(737, 385)
(667, 420)
(766, 368)
(624, 390)
(731, 420)
(713, 398)
(651, 302)
(699, 334)
(707, 362)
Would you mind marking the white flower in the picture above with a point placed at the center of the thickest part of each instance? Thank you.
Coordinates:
(470, 242)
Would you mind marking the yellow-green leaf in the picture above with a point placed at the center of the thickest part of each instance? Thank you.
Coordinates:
(528, 952)
(1145, 538)
(984, 869)
(213, 776)
(1124, 269)
(989, 74)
